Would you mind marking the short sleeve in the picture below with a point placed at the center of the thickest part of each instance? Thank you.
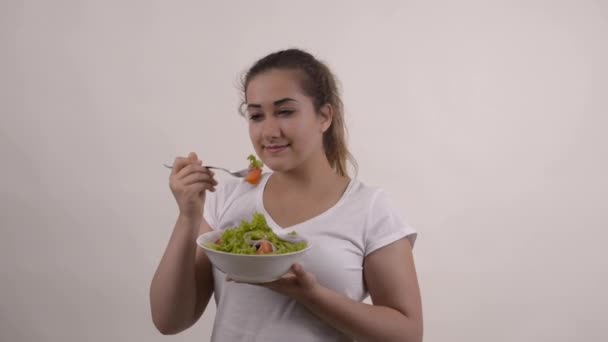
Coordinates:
(384, 225)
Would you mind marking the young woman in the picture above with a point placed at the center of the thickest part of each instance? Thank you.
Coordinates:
(362, 247)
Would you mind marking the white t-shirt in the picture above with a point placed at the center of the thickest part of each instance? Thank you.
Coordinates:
(361, 222)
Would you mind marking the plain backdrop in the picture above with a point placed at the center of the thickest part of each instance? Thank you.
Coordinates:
(484, 120)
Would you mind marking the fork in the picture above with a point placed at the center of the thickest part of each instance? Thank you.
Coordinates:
(240, 173)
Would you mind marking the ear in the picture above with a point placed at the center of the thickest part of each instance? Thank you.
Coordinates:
(327, 116)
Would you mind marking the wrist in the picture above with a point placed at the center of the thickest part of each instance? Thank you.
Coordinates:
(189, 221)
(313, 296)
(190, 216)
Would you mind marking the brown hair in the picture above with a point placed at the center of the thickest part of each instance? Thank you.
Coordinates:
(318, 83)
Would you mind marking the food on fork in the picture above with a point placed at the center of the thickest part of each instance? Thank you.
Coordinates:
(255, 170)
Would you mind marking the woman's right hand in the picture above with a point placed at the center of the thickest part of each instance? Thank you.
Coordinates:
(189, 181)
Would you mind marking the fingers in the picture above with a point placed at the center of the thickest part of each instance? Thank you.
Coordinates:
(196, 178)
(199, 181)
(194, 169)
(297, 270)
(200, 187)
(181, 162)
(189, 175)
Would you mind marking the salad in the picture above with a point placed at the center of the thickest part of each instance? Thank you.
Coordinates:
(256, 237)
(255, 170)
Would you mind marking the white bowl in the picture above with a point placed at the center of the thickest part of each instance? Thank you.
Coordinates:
(250, 268)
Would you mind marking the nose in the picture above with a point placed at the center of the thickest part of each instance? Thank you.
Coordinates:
(271, 128)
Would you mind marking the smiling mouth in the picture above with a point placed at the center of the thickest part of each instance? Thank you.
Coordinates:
(275, 148)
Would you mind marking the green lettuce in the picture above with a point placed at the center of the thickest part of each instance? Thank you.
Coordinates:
(237, 240)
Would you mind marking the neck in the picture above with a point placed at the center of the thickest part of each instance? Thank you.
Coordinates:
(313, 174)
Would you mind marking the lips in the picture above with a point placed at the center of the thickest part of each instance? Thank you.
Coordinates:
(276, 148)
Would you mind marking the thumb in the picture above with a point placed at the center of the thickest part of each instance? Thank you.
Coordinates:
(305, 279)
(192, 156)
(298, 270)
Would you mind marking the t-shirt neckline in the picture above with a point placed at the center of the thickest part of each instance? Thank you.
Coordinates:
(275, 226)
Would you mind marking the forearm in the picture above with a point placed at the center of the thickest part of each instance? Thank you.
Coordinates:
(361, 321)
(173, 288)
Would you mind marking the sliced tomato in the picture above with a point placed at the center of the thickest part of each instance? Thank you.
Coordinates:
(264, 247)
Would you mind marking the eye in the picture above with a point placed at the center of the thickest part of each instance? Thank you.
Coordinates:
(286, 112)
(255, 117)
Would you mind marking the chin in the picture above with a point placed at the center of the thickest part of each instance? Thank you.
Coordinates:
(277, 167)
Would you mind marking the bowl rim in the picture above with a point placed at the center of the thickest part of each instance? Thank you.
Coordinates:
(201, 245)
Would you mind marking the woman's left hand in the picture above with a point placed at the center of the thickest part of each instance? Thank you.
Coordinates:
(297, 284)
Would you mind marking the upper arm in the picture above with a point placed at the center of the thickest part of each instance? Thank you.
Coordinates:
(204, 276)
(391, 279)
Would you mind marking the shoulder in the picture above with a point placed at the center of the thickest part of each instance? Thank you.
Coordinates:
(366, 195)
(384, 222)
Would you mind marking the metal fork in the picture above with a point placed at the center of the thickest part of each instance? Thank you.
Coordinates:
(240, 173)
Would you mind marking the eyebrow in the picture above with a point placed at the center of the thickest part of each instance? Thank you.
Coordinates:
(276, 103)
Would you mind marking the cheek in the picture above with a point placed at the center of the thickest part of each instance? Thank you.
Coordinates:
(254, 137)
(304, 137)
(293, 131)
(253, 131)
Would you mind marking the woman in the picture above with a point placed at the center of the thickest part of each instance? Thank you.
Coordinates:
(362, 247)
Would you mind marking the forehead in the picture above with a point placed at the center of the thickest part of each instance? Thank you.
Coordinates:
(274, 85)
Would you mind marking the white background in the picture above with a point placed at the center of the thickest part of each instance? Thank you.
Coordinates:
(485, 121)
